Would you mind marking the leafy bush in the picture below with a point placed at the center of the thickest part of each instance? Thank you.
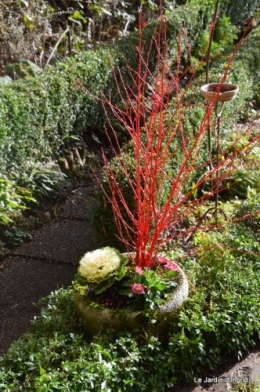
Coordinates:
(249, 210)
(240, 10)
(104, 221)
(43, 179)
(224, 36)
(237, 11)
(46, 112)
(22, 69)
(12, 200)
(248, 59)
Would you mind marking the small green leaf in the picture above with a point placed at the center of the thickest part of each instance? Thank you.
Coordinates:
(42, 371)
(160, 286)
(28, 22)
(78, 16)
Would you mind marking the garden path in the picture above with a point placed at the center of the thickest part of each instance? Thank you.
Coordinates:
(48, 262)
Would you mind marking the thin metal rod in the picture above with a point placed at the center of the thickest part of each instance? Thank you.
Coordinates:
(218, 117)
(207, 75)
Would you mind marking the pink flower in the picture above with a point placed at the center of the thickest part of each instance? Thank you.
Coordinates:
(162, 260)
(171, 266)
(139, 270)
(137, 288)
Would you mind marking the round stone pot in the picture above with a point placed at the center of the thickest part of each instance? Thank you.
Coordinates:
(98, 319)
(220, 92)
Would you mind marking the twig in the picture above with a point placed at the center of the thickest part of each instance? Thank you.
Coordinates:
(57, 44)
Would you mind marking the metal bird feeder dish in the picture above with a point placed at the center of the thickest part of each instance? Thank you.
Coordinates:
(220, 92)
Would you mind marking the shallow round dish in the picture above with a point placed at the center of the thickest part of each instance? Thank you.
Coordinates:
(219, 91)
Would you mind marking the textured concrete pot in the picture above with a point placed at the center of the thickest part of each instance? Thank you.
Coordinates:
(220, 92)
(97, 319)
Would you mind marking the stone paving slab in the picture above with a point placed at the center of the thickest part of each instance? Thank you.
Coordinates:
(17, 307)
(65, 241)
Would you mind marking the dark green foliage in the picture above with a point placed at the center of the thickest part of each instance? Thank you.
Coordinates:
(240, 10)
(40, 116)
(13, 200)
(237, 11)
(16, 236)
(43, 180)
(248, 61)
(249, 211)
(21, 69)
(104, 221)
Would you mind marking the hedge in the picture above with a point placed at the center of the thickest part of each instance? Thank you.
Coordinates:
(41, 115)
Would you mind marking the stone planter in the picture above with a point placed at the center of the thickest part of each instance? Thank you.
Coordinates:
(99, 319)
(219, 92)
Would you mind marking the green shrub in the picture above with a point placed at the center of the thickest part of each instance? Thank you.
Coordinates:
(249, 210)
(240, 10)
(104, 221)
(243, 181)
(248, 61)
(21, 69)
(13, 200)
(41, 115)
(237, 11)
(44, 180)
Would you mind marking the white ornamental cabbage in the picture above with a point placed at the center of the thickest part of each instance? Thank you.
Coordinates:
(98, 265)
